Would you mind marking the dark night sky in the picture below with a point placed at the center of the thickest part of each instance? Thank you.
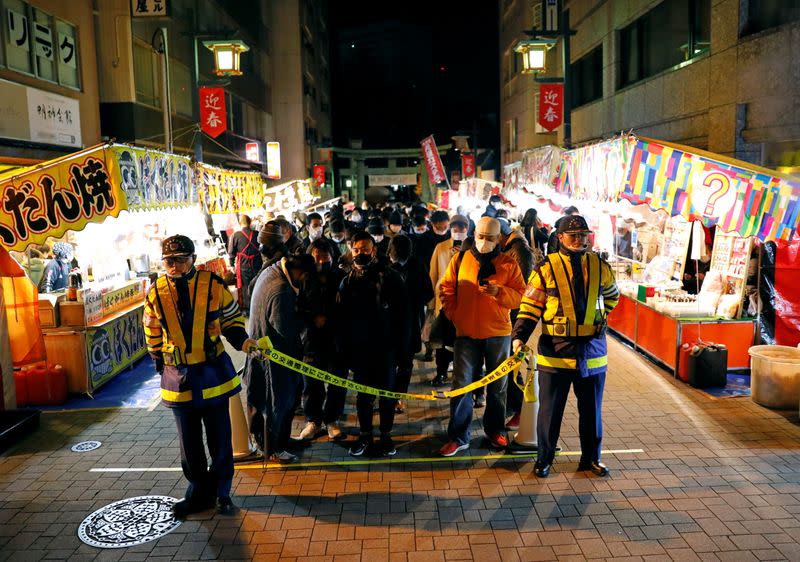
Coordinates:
(401, 71)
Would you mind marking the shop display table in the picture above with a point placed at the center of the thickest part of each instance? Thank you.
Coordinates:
(661, 337)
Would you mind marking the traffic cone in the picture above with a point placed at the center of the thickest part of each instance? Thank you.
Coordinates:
(525, 439)
(240, 435)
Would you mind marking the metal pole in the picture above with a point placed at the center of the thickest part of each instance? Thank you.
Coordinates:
(166, 92)
(198, 137)
(565, 64)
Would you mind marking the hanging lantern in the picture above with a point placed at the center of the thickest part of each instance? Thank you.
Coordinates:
(534, 54)
(227, 56)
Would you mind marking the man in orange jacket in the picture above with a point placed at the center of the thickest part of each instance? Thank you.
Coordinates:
(479, 289)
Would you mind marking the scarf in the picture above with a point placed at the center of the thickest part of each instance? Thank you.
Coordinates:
(486, 262)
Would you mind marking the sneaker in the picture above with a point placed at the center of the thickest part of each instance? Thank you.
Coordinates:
(480, 401)
(452, 447)
(309, 431)
(438, 380)
(283, 457)
(334, 431)
(360, 447)
(498, 441)
(387, 446)
(513, 423)
(225, 506)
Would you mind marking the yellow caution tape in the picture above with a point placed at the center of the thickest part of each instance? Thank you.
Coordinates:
(508, 366)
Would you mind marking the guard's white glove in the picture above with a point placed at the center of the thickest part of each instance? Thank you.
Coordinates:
(516, 345)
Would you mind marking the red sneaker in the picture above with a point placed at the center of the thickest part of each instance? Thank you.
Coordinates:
(498, 441)
(451, 448)
(513, 423)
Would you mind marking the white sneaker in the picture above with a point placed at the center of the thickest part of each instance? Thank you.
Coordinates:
(334, 432)
(309, 431)
(283, 457)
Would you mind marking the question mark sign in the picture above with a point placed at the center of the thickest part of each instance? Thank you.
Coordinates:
(723, 183)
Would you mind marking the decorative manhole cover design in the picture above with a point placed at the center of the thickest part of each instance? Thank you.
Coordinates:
(84, 446)
(129, 522)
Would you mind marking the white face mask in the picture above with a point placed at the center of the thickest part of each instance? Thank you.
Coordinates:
(355, 217)
(378, 238)
(485, 246)
(421, 230)
(338, 238)
(441, 232)
(314, 232)
(395, 228)
(458, 236)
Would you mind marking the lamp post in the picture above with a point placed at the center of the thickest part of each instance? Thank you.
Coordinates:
(534, 61)
(227, 59)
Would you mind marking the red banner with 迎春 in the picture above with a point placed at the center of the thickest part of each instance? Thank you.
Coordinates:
(319, 175)
(432, 160)
(468, 166)
(213, 115)
(551, 106)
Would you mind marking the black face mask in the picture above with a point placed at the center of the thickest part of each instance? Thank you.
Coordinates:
(362, 260)
(323, 267)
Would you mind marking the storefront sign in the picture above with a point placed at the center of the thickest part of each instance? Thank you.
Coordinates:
(432, 160)
(319, 175)
(595, 172)
(467, 165)
(38, 116)
(153, 179)
(226, 191)
(213, 114)
(540, 168)
(63, 196)
(511, 176)
(551, 106)
(289, 197)
(382, 180)
(114, 346)
(252, 152)
(148, 8)
(699, 187)
(274, 160)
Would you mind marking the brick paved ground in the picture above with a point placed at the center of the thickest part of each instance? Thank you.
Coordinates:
(718, 480)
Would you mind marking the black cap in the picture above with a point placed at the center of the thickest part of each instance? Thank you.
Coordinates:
(395, 218)
(440, 216)
(573, 223)
(178, 245)
(375, 226)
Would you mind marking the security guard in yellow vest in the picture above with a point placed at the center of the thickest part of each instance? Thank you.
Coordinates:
(572, 292)
(185, 314)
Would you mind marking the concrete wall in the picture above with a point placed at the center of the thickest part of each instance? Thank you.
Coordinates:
(744, 92)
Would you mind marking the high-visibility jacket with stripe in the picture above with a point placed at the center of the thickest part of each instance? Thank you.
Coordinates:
(196, 369)
(568, 343)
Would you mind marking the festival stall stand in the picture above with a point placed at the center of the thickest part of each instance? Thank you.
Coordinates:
(673, 189)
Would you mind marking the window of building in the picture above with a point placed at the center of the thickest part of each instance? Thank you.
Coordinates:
(67, 49)
(766, 14)
(17, 36)
(511, 135)
(673, 32)
(536, 13)
(180, 78)
(43, 47)
(146, 74)
(587, 78)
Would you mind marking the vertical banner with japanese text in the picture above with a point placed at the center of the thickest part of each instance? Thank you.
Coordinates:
(65, 194)
(551, 106)
(213, 115)
(432, 160)
(319, 175)
(467, 165)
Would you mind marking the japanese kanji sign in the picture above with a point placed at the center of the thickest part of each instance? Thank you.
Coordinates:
(551, 106)
(252, 152)
(225, 191)
(65, 195)
(153, 179)
(319, 174)
(467, 165)
(213, 115)
(432, 160)
(148, 8)
(274, 160)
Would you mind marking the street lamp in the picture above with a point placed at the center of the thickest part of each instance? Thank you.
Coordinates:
(534, 54)
(227, 56)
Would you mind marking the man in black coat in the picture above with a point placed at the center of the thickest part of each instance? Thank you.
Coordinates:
(425, 243)
(373, 313)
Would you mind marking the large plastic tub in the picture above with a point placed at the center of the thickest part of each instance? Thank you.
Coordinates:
(775, 376)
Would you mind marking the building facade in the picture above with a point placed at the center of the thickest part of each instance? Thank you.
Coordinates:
(720, 75)
(48, 80)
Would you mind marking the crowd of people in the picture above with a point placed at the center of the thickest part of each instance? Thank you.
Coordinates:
(359, 294)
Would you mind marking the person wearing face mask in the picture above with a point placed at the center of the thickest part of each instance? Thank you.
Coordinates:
(492, 207)
(552, 241)
(440, 259)
(338, 238)
(373, 314)
(244, 255)
(272, 389)
(395, 224)
(477, 293)
(420, 291)
(572, 292)
(356, 220)
(56, 272)
(185, 314)
(376, 230)
(319, 341)
(290, 238)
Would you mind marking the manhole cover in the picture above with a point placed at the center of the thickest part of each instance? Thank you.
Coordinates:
(129, 522)
(85, 446)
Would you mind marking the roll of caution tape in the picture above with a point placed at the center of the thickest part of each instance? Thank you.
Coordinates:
(506, 367)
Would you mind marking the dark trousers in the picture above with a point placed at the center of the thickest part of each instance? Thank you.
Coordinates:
(378, 372)
(206, 482)
(402, 376)
(321, 404)
(443, 359)
(553, 394)
(283, 388)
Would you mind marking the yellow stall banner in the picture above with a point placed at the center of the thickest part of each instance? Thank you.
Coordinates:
(60, 195)
(225, 191)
